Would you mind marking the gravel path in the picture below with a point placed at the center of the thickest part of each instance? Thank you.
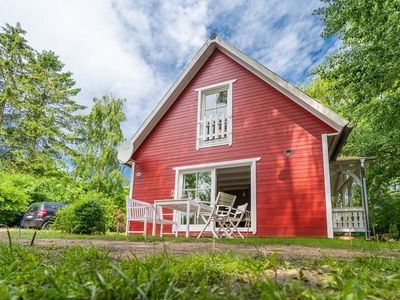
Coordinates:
(141, 249)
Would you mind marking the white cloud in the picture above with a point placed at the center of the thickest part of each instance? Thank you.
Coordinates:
(136, 49)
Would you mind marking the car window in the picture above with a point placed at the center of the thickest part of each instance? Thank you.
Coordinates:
(33, 207)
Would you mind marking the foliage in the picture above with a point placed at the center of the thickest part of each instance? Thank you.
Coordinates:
(92, 213)
(40, 115)
(40, 128)
(13, 201)
(360, 81)
(19, 190)
(100, 136)
(387, 213)
(76, 272)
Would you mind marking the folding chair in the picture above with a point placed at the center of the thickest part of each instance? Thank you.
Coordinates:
(220, 213)
(235, 217)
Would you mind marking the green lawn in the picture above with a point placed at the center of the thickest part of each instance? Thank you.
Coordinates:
(90, 273)
(358, 244)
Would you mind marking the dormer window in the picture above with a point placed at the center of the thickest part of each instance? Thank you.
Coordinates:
(214, 116)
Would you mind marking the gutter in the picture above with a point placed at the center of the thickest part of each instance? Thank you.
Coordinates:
(342, 141)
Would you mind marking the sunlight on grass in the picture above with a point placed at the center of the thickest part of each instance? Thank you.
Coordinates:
(83, 273)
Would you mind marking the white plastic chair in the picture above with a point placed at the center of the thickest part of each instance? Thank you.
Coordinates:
(220, 213)
(140, 211)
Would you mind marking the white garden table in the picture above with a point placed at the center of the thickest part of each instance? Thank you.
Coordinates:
(187, 206)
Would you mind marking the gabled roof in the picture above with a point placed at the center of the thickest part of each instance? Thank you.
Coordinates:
(215, 42)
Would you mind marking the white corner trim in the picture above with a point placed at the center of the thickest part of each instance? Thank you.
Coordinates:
(216, 85)
(327, 183)
(132, 181)
(230, 163)
(253, 195)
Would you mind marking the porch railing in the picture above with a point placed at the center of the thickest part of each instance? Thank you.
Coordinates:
(349, 219)
(215, 128)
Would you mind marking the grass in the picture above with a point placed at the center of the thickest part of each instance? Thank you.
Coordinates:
(89, 273)
(356, 244)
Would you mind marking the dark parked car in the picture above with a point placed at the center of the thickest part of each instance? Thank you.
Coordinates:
(41, 214)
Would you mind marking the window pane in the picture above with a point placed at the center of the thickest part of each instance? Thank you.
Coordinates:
(204, 180)
(211, 101)
(191, 194)
(189, 181)
(222, 98)
(221, 112)
(210, 114)
(205, 195)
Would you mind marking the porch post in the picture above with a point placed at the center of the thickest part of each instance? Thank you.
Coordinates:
(364, 198)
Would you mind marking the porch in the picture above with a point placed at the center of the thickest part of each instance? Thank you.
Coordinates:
(349, 196)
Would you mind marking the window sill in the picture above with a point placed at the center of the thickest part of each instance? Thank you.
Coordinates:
(214, 143)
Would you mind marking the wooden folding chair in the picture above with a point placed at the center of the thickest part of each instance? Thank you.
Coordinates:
(236, 216)
(220, 213)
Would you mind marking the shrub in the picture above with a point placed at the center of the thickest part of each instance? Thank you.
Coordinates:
(386, 215)
(13, 202)
(92, 213)
(394, 231)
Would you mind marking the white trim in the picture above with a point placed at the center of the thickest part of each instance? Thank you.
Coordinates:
(311, 105)
(227, 163)
(130, 196)
(132, 181)
(179, 171)
(253, 194)
(327, 182)
(215, 85)
(202, 92)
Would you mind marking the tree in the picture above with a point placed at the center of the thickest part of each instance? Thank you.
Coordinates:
(37, 106)
(100, 136)
(362, 81)
(15, 54)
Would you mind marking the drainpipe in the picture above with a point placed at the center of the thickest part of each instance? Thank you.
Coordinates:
(364, 198)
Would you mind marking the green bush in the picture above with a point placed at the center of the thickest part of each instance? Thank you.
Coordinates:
(386, 215)
(92, 213)
(13, 201)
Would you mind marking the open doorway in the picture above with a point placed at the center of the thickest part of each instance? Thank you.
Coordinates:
(236, 181)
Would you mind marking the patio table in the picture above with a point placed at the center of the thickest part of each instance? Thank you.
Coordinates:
(187, 206)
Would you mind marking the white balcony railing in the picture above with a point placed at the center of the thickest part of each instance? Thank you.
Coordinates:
(349, 219)
(215, 128)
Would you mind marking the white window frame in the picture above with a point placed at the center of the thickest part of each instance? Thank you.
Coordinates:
(180, 171)
(201, 92)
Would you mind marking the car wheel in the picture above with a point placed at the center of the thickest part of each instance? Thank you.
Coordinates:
(46, 225)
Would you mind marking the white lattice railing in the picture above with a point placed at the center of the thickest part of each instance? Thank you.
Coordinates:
(215, 128)
(349, 219)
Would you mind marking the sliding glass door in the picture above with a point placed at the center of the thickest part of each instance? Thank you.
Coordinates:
(197, 185)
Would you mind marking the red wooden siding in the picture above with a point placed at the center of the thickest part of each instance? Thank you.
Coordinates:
(290, 190)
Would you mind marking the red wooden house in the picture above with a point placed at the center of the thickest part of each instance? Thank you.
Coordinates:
(230, 124)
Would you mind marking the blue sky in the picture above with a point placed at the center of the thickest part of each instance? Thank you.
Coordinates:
(136, 49)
